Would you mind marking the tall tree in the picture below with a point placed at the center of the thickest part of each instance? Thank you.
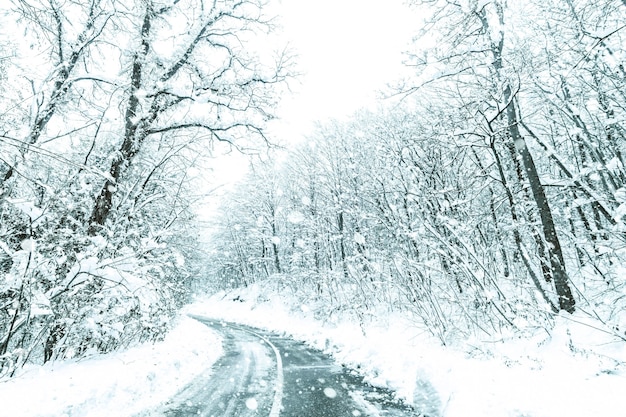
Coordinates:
(494, 12)
(476, 53)
(112, 105)
(179, 91)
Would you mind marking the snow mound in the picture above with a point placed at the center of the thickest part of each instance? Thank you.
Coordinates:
(118, 384)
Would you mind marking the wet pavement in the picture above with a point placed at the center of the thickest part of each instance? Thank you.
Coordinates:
(264, 374)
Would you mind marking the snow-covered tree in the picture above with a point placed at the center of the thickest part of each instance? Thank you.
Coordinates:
(112, 106)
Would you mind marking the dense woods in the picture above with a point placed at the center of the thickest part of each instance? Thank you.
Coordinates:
(486, 199)
(485, 196)
(110, 108)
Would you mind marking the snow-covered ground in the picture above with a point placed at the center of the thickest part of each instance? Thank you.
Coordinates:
(536, 377)
(118, 384)
(523, 378)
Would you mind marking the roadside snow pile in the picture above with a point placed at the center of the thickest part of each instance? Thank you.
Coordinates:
(573, 373)
(117, 384)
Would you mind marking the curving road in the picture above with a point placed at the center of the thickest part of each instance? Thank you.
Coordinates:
(265, 375)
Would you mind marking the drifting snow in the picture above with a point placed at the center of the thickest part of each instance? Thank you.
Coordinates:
(119, 384)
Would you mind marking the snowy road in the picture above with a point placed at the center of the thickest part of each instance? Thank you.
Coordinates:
(262, 374)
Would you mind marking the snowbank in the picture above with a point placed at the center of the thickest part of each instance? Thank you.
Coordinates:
(118, 384)
(573, 373)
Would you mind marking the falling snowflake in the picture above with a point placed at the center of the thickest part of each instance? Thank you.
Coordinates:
(330, 393)
(252, 404)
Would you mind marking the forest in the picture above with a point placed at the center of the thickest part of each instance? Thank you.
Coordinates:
(110, 107)
(486, 194)
(487, 199)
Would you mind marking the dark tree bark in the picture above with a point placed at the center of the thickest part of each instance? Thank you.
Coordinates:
(236, 89)
(553, 246)
(133, 134)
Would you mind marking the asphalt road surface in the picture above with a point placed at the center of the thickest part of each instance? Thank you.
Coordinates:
(265, 375)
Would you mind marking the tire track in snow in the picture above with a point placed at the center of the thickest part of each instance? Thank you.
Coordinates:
(280, 380)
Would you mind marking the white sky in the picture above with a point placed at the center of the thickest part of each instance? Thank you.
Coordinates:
(348, 50)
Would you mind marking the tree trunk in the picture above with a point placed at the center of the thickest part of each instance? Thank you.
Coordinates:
(133, 135)
(342, 244)
(557, 264)
(516, 233)
(555, 255)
